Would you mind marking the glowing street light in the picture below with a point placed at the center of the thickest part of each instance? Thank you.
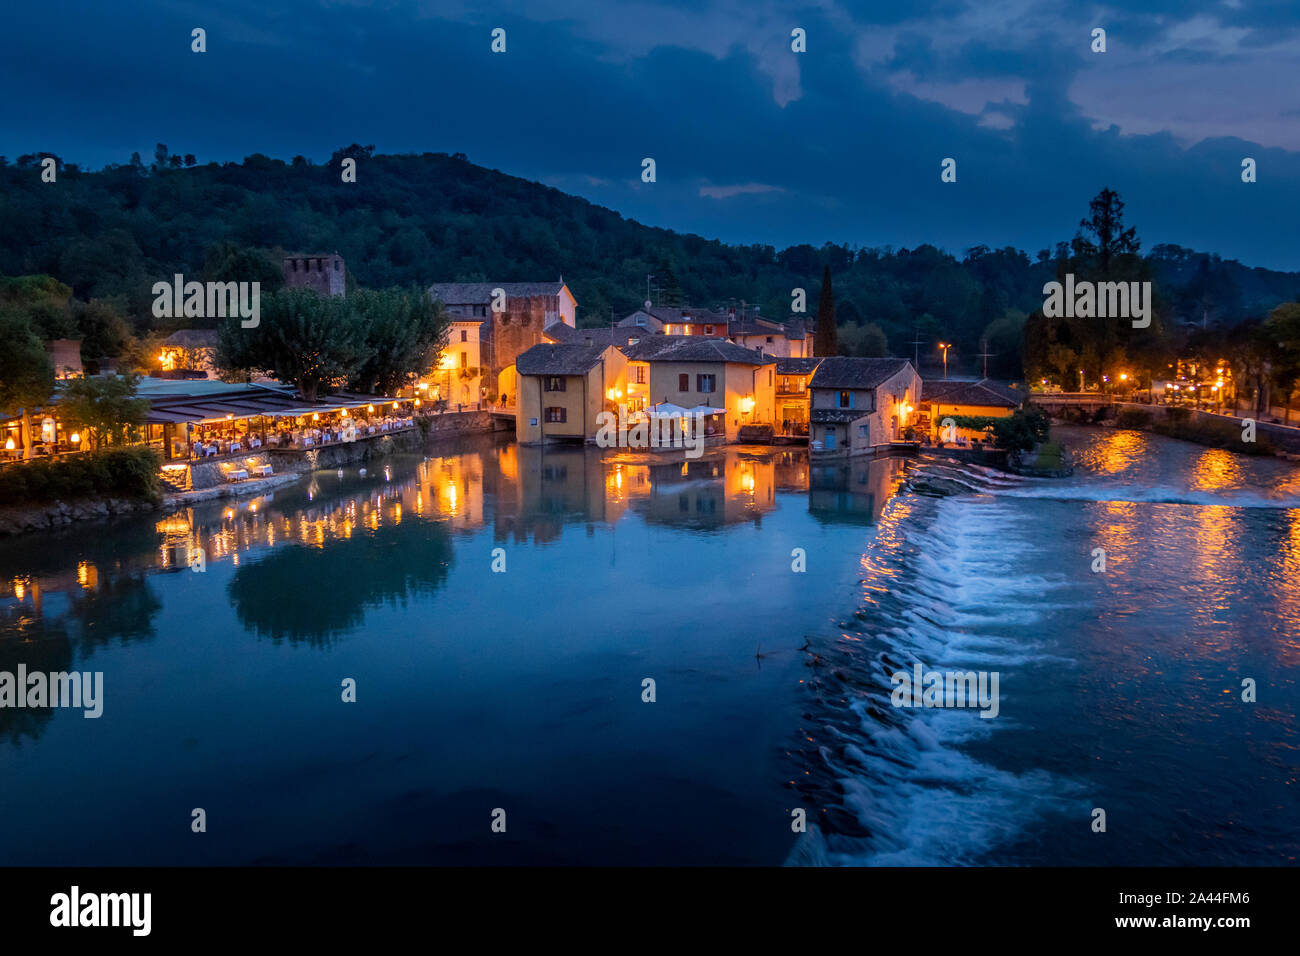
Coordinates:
(945, 346)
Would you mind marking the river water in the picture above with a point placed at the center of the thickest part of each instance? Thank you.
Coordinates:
(523, 689)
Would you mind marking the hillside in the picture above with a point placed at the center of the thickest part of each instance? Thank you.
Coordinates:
(416, 219)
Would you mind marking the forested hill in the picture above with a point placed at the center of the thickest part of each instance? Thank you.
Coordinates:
(417, 219)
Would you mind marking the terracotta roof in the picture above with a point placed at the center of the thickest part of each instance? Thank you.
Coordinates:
(983, 392)
(546, 359)
(845, 372)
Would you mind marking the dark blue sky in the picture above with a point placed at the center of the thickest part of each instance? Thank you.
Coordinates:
(753, 142)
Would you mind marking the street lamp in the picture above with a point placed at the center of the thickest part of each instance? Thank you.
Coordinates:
(1081, 380)
(945, 346)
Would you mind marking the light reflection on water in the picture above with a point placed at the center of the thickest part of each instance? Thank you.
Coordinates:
(511, 688)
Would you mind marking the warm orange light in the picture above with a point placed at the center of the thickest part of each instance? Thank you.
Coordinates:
(75, 438)
(747, 404)
(9, 445)
(315, 416)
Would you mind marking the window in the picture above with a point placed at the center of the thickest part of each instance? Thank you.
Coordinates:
(769, 378)
(708, 330)
(862, 430)
(464, 335)
(464, 360)
(640, 320)
(557, 414)
(706, 383)
(683, 382)
(845, 400)
(769, 340)
(336, 265)
(554, 383)
(640, 374)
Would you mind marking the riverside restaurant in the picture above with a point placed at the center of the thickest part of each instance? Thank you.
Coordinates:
(200, 419)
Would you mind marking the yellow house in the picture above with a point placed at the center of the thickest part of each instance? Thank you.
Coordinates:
(457, 376)
(564, 388)
(692, 371)
(948, 399)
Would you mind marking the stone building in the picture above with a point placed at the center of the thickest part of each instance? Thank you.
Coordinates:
(325, 274)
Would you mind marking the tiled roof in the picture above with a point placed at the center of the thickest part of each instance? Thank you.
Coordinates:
(797, 366)
(845, 372)
(983, 392)
(694, 348)
(546, 359)
(837, 416)
(480, 293)
(192, 339)
(604, 337)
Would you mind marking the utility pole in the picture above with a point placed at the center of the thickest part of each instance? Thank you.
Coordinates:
(916, 359)
(985, 355)
(945, 346)
(648, 277)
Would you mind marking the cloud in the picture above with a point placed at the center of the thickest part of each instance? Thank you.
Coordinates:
(741, 189)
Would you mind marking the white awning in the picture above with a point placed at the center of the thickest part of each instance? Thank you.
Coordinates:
(668, 410)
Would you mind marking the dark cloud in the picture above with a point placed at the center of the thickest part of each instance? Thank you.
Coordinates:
(753, 142)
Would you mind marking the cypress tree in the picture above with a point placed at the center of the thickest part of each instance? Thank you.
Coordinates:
(826, 341)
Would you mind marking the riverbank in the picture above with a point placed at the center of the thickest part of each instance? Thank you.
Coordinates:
(1213, 430)
(289, 466)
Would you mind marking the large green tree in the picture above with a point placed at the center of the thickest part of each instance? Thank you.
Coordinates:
(402, 331)
(105, 409)
(313, 342)
(26, 373)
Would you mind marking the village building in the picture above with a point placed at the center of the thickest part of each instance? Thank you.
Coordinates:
(564, 388)
(528, 310)
(792, 395)
(945, 399)
(694, 373)
(65, 356)
(792, 338)
(678, 320)
(860, 405)
(457, 376)
(320, 272)
(189, 353)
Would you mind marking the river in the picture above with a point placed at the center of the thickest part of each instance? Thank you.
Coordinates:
(768, 602)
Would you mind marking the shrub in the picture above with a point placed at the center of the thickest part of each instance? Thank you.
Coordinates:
(115, 473)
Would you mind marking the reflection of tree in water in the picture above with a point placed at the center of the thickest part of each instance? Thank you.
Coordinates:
(42, 646)
(122, 606)
(315, 594)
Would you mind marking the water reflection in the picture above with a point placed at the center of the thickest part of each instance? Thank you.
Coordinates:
(854, 491)
(309, 559)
